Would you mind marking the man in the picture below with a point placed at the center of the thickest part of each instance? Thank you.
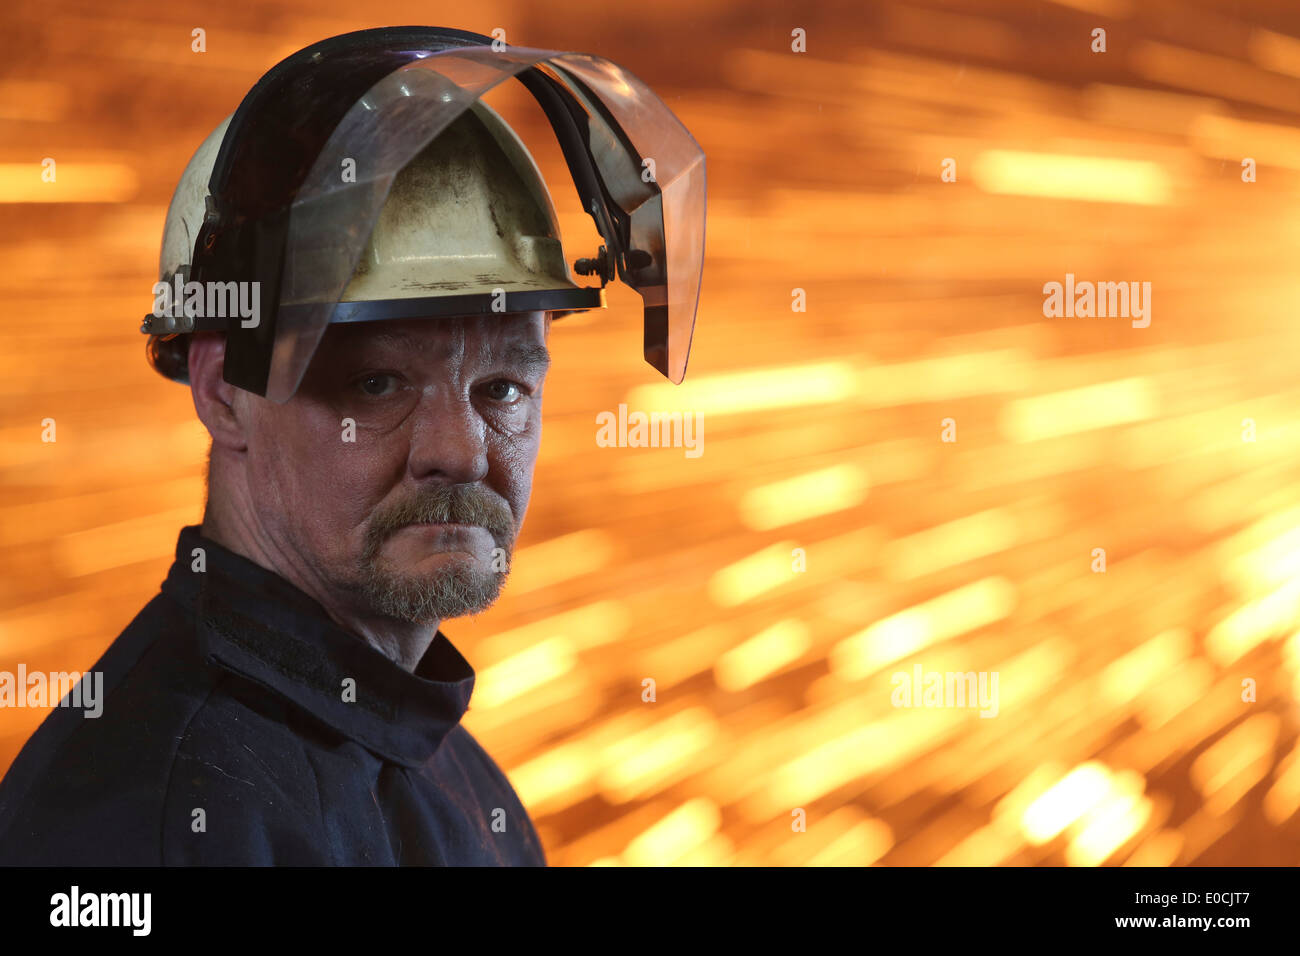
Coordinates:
(288, 697)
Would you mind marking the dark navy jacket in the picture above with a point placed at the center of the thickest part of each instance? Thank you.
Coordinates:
(226, 695)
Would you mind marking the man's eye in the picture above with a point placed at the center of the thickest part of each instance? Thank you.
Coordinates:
(505, 391)
(377, 383)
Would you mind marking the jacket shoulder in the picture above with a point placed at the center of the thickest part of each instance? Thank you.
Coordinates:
(87, 788)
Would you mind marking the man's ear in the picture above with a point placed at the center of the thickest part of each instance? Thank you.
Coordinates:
(214, 397)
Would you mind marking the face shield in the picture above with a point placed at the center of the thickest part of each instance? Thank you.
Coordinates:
(305, 171)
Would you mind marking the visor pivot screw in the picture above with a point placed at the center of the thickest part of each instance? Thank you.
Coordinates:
(599, 266)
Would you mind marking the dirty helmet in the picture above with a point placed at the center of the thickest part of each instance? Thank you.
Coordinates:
(362, 179)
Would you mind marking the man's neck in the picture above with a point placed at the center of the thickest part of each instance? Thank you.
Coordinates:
(401, 642)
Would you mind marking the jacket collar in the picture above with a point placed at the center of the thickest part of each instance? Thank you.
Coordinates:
(255, 623)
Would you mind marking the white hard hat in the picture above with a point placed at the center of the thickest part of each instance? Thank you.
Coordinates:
(469, 215)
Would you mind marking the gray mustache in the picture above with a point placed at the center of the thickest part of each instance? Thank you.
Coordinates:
(454, 504)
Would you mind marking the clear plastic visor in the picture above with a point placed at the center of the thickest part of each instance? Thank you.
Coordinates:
(333, 214)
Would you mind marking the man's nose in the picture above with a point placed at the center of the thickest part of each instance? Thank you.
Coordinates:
(448, 439)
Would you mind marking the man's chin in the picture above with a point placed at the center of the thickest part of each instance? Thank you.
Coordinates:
(426, 595)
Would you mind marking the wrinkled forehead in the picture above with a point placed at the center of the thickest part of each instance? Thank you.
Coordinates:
(461, 339)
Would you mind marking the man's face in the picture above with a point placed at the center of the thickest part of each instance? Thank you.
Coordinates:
(398, 475)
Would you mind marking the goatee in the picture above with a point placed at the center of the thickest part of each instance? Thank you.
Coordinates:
(451, 592)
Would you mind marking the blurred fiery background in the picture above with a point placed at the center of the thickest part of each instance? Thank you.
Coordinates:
(1121, 734)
